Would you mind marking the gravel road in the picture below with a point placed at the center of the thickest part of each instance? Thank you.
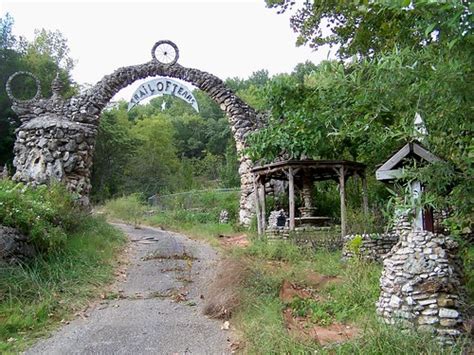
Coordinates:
(159, 310)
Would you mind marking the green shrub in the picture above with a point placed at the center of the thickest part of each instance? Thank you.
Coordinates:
(319, 312)
(355, 244)
(44, 213)
(360, 222)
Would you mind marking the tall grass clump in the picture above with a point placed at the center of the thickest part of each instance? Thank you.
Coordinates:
(275, 250)
(130, 209)
(207, 203)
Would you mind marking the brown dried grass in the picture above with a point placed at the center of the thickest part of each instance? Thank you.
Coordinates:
(222, 294)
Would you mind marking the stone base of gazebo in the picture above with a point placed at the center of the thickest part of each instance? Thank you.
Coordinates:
(421, 285)
(316, 238)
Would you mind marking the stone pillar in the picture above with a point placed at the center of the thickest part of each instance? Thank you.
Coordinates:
(307, 191)
(421, 285)
(49, 148)
(247, 197)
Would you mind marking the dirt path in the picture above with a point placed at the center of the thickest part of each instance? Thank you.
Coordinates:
(160, 305)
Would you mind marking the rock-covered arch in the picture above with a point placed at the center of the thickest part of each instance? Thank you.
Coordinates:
(56, 138)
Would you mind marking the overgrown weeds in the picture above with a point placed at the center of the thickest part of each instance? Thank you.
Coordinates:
(196, 217)
(129, 209)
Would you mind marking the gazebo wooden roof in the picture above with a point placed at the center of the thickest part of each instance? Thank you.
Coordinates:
(319, 170)
(304, 173)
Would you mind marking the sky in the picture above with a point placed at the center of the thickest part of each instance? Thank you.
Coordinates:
(226, 38)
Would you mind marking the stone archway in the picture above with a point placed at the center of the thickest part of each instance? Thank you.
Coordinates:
(56, 138)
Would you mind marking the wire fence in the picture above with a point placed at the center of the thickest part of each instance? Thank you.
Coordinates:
(195, 199)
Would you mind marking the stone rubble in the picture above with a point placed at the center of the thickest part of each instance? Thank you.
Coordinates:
(224, 217)
(56, 138)
(14, 246)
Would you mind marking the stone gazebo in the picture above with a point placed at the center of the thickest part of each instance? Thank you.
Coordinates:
(303, 174)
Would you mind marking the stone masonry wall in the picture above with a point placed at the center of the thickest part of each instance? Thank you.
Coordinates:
(42, 159)
(373, 247)
(421, 285)
(14, 246)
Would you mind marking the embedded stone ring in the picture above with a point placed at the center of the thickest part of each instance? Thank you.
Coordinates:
(10, 92)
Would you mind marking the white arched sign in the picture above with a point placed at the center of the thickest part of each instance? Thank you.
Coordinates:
(160, 87)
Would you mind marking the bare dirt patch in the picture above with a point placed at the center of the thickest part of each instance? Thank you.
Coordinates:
(303, 326)
(289, 291)
(319, 281)
(240, 241)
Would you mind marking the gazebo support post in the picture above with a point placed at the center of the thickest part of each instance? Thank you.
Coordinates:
(291, 198)
(263, 219)
(342, 195)
(365, 197)
(257, 203)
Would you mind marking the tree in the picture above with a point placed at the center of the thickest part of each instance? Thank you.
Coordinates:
(365, 28)
(114, 149)
(7, 39)
(154, 166)
(9, 63)
(365, 110)
(45, 56)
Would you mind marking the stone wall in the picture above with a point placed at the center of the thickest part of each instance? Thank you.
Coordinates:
(421, 285)
(373, 247)
(316, 238)
(78, 119)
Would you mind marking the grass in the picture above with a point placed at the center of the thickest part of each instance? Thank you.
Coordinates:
(36, 296)
(352, 301)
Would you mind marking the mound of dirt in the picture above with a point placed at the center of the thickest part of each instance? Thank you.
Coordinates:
(289, 291)
(318, 281)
